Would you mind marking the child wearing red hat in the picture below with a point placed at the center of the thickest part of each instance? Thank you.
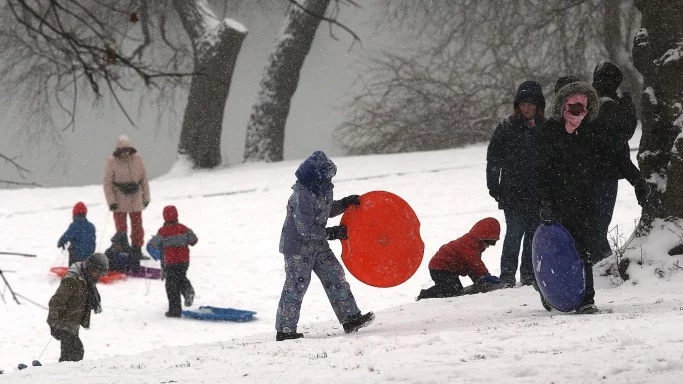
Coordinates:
(80, 235)
(462, 257)
(174, 240)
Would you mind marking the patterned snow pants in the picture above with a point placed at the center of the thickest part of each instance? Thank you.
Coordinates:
(331, 274)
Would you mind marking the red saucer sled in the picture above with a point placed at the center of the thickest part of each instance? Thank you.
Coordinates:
(384, 248)
(110, 277)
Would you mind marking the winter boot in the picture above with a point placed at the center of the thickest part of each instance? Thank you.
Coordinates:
(508, 281)
(281, 336)
(357, 322)
(189, 297)
(169, 314)
(135, 256)
(544, 302)
(587, 309)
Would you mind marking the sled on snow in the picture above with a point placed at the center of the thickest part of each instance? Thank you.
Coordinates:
(384, 248)
(560, 272)
(107, 278)
(146, 273)
(219, 314)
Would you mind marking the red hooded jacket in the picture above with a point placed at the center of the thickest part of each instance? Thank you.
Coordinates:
(174, 238)
(463, 256)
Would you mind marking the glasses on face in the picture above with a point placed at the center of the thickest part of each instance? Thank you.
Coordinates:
(490, 242)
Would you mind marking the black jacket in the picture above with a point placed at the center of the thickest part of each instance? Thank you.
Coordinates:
(614, 126)
(565, 170)
(510, 163)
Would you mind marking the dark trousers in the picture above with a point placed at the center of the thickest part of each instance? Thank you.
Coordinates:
(72, 348)
(605, 200)
(177, 284)
(584, 233)
(446, 284)
(519, 233)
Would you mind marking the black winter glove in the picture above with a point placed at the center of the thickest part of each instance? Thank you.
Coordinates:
(336, 233)
(56, 333)
(642, 189)
(351, 199)
(495, 194)
(113, 207)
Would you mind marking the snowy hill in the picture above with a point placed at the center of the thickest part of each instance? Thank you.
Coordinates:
(237, 213)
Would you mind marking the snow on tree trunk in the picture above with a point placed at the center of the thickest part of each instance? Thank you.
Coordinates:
(216, 45)
(658, 56)
(266, 128)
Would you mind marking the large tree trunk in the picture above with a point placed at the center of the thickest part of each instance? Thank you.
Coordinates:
(266, 128)
(617, 31)
(216, 46)
(658, 55)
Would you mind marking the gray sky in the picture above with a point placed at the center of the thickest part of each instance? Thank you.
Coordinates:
(317, 108)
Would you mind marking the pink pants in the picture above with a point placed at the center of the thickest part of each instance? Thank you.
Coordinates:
(137, 233)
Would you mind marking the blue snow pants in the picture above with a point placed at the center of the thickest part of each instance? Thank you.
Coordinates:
(298, 269)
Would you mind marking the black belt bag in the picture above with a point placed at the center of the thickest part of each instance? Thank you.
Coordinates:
(128, 188)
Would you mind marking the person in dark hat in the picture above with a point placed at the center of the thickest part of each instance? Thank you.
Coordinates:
(509, 167)
(70, 306)
(564, 80)
(612, 129)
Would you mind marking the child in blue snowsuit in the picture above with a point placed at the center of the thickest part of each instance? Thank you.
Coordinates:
(304, 245)
(80, 235)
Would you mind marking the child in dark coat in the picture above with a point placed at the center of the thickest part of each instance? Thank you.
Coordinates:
(304, 245)
(462, 257)
(120, 254)
(174, 240)
(70, 306)
(80, 235)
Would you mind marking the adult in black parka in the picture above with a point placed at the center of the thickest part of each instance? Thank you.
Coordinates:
(613, 128)
(565, 172)
(509, 169)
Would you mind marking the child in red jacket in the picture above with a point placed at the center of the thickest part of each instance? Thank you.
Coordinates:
(174, 240)
(462, 257)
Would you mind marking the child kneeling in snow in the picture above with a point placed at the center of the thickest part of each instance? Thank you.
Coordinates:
(174, 240)
(304, 245)
(80, 235)
(120, 254)
(462, 257)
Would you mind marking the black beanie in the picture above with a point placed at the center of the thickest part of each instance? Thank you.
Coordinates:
(606, 78)
(531, 92)
(97, 262)
(564, 80)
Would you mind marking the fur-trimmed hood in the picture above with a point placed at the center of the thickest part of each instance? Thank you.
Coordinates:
(572, 89)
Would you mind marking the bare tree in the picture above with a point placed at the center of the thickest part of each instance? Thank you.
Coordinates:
(266, 127)
(619, 20)
(459, 77)
(66, 46)
(658, 55)
(216, 46)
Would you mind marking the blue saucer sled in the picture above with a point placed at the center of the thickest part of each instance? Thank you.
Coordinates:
(559, 271)
(219, 314)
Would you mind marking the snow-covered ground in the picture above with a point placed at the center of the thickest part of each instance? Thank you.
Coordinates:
(237, 213)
